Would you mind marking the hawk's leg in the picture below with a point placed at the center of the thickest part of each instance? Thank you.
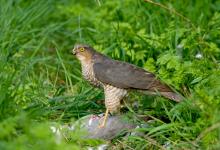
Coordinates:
(102, 125)
(113, 96)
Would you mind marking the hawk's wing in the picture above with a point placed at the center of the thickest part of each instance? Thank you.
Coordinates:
(124, 75)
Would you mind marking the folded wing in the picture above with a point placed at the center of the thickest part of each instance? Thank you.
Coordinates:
(127, 76)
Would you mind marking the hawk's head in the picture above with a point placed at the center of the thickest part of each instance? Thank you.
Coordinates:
(83, 52)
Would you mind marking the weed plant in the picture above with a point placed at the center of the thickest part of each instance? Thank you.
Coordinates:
(41, 83)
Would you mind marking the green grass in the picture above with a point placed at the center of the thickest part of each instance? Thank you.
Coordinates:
(41, 83)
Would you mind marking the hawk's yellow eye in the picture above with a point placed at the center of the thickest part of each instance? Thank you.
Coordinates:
(81, 49)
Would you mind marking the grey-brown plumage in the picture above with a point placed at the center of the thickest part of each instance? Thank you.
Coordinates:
(117, 77)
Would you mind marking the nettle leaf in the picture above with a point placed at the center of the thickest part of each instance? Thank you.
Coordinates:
(140, 55)
(171, 69)
(150, 65)
(164, 73)
(163, 59)
(211, 49)
(170, 60)
(215, 21)
(173, 63)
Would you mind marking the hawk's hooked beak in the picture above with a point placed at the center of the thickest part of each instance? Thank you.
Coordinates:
(74, 51)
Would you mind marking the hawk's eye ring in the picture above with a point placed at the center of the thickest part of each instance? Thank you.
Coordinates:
(82, 49)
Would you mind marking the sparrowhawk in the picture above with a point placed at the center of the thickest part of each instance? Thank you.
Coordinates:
(117, 78)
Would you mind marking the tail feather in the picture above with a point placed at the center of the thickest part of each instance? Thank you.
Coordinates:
(157, 87)
(170, 95)
(173, 96)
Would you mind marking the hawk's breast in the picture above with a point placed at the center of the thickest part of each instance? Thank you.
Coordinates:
(88, 74)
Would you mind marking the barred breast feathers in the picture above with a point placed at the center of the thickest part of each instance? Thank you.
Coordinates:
(113, 97)
(88, 74)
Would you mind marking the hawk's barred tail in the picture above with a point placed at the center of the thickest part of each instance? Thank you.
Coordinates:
(165, 90)
(170, 95)
(173, 96)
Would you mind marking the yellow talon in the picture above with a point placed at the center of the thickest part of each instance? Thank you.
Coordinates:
(105, 119)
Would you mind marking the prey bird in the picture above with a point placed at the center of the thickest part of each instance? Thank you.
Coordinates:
(117, 78)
